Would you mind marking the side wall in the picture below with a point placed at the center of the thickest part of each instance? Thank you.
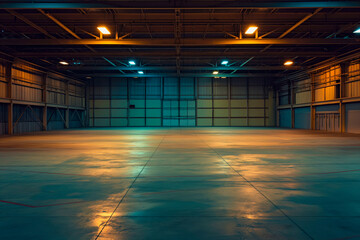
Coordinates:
(326, 98)
(123, 102)
(32, 99)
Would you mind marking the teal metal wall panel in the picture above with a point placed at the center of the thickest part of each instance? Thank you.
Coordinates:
(136, 122)
(285, 118)
(302, 117)
(179, 102)
(352, 117)
(153, 122)
(327, 108)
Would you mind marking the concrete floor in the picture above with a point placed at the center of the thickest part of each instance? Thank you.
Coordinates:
(169, 183)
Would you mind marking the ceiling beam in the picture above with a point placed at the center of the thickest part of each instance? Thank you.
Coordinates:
(27, 21)
(183, 54)
(59, 23)
(146, 68)
(183, 42)
(160, 74)
(289, 30)
(72, 33)
(60, 4)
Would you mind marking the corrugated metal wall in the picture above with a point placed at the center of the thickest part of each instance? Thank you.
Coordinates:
(327, 84)
(3, 118)
(28, 118)
(3, 82)
(352, 85)
(321, 90)
(55, 118)
(33, 92)
(27, 85)
(353, 117)
(180, 102)
(76, 118)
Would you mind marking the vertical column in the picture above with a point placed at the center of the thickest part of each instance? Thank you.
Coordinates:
(264, 94)
(8, 79)
(44, 99)
(247, 102)
(110, 101)
(67, 111)
(277, 104)
(229, 100)
(312, 108)
(162, 99)
(128, 100)
(342, 111)
(271, 107)
(196, 87)
(87, 107)
(292, 101)
(178, 98)
(212, 101)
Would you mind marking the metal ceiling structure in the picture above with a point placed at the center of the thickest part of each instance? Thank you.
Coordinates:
(168, 38)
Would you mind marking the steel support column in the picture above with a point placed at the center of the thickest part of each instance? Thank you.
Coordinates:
(44, 99)
(8, 79)
(344, 67)
(312, 107)
(67, 102)
(292, 102)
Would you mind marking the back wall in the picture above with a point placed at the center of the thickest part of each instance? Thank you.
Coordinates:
(188, 102)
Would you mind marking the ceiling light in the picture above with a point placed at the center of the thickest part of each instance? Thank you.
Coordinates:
(64, 63)
(140, 72)
(223, 77)
(88, 77)
(251, 30)
(357, 30)
(224, 62)
(215, 72)
(104, 30)
(132, 62)
(288, 63)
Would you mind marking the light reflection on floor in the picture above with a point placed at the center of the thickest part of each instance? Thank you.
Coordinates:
(186, 183)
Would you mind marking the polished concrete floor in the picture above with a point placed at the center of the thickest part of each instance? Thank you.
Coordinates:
(180, 183)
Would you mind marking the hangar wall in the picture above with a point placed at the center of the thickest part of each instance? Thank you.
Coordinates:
(185, 102)
(324, 98)
(33, 99)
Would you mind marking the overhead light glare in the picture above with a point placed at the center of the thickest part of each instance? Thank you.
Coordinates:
(357, 30)
(132, 62)
(215, 72)
(223, 77)
(224, 62)
(64, 63)
(104, 30)
(288, 63)
(140, 72)
(88, 77)
(251, 30)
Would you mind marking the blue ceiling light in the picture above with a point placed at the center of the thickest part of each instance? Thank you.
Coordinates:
(224, 62)
(357, 30)
(132, 62)
(140, 72)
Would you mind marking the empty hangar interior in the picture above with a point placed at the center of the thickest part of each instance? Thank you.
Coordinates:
(175, 53)
(206, 67)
